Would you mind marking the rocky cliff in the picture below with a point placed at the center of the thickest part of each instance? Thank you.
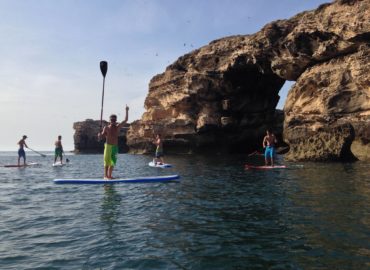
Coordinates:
(86, 137)
(223, 96)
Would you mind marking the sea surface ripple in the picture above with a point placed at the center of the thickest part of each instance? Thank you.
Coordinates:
(218, 216)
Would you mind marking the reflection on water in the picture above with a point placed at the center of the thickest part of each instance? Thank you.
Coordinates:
(110, 209)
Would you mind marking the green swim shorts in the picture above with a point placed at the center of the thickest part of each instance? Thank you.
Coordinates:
(58, 152)
(110, 155)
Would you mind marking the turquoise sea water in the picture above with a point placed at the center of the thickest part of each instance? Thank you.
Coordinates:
(219, 216)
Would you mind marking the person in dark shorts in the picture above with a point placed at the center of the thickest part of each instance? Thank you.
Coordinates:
(21, 152)
(159, 150)
(58, 150)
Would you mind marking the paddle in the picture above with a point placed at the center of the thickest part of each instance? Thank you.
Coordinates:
(258, 153)
(37, 152)
(103, 69)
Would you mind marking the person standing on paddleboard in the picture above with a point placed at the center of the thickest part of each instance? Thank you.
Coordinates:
(269, 142)
(111, 133)
(159, 150)
(58, 150)
(21, 152)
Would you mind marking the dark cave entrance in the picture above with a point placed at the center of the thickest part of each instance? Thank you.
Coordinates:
(251, 96)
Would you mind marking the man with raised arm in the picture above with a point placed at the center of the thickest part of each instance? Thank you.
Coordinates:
(111, 132)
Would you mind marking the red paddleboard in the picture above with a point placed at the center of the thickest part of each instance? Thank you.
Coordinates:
(22, 165)
(253, 167)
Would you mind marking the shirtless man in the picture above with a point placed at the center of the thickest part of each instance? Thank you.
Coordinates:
(159, 150)
(111, 132)
(58, 150)
(21, 152)
(269, 142)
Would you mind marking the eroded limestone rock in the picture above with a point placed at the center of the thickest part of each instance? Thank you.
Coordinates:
(86, 137)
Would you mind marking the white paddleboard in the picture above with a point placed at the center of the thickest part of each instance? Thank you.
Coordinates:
(146, 179)
(163, 165)
(58, 164)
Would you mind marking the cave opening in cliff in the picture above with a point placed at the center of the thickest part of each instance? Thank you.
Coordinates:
(253, 96)
(283, 93)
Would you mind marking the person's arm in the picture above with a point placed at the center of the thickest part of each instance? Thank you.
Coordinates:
(126, 118)
(102, 133)
(25, 145)
(264, 142)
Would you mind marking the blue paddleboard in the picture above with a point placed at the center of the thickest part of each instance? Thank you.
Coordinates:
(149, 179)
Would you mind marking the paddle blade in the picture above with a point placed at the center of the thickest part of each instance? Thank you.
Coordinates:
(104, 67)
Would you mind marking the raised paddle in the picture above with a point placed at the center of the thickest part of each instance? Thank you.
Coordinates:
(103, 69)
(37, 152)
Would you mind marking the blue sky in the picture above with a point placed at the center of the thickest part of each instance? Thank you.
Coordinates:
(51, 49)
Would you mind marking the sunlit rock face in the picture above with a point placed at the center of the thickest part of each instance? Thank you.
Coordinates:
(327, 112)
(222, 97)
(215, 99)
(86, 137)
(325, 97)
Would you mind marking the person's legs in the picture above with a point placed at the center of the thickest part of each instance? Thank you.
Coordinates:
(110, 171)
(113, 160)
(105, 172)
(156, 158)
(21, 154)
(272, 154)
(107, 159)
(266, 155)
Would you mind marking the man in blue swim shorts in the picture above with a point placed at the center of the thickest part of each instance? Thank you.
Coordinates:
(21, 152)
(269, 142)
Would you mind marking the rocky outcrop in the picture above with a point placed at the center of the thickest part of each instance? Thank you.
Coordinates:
(214, 99)
(86, 137)
(326, 96)
(223, 96)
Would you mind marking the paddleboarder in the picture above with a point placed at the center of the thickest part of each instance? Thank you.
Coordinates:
(159, 150)
(58, 150)
(111, 132)
(21, 152)
(269, 142)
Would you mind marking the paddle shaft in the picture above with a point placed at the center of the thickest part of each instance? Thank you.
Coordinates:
(102, 104)
(103, 69)
(37, 152)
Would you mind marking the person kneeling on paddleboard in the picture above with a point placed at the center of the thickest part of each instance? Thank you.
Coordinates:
(269, 142)
(111, 133)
